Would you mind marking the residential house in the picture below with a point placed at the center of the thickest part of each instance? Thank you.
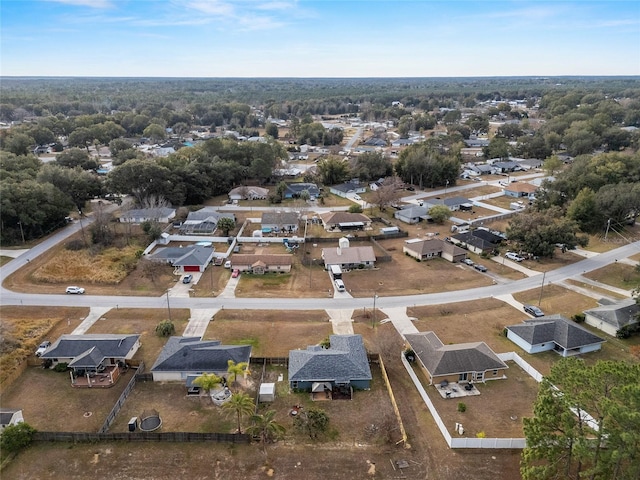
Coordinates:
(345, 221)
(245, 192)
(277, 222)
(339, 369)
(294, 190)
(477, 142)
(159, 215)
(183, 359)
(193, 258)
(262, 263)
(454, 203)
(349, 258)
(434, 247)
(504, 166)
(553, 332)
(94, 359)
(477, 241)
(204, 221)
(611, 318)
(412, 214)
(348, 188)
(462, 362)
(10, 416)
(520, 189)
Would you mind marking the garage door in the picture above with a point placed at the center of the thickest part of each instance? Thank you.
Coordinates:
(191, 268)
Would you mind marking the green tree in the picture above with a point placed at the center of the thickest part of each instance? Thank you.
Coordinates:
(537, 232)
(76, 157)
(19, 144)
(207, 381)
(155, 132)
(372, 166)
(497, 148)
(79, 184)
(271, 129)
(266, 427)
(239, 405)
(82, 137)
(552, 165)
(355, 208)
(579, 410)
(16, 437)
(314, 421)
(226, 224)
(333, 170)
(234, 369)
(584, 210)
(440, 213)
(165, 328)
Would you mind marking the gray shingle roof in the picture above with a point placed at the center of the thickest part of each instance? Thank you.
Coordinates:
(109, 345)
(190, 354)
(345, 361)
(618, 315)
(348, 255)
(441, 359)
(557, 329)
(279, 218)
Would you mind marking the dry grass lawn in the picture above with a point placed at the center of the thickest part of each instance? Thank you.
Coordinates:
(50, 403)
(178, 412)
(47, 274)
(142, 322)
(557, 299)
(23, 328)
(270, 333)
(618, 275)
(497, 411)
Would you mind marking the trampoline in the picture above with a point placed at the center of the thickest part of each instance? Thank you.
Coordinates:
(150, 420)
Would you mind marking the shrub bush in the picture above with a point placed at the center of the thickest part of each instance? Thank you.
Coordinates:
(165, 328)
(462, 407)
(61, 367)
(74, 245)
(578, 317)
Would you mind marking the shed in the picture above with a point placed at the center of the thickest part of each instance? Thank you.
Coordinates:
(267, 392)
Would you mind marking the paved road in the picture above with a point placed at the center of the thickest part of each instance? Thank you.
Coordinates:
(11, 298)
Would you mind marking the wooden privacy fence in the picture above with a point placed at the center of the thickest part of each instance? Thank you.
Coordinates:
(123, 396)
(141, 437)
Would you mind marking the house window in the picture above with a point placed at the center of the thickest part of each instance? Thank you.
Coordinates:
(495, 372)
(294, 384)
(462, 377)
(479, 376)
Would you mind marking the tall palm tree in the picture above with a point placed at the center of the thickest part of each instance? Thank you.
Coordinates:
(239, 405)
(234, 369)
(266, 428)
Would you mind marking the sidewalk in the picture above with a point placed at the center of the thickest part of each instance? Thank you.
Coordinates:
(94, 315)
(516, 266)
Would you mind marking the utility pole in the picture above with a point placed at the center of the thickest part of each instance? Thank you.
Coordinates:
(21, 231)
(168, 305)
(373, 321)
(541, 288)
(605, 233)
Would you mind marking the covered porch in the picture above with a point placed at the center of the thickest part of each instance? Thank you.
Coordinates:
(105, 379)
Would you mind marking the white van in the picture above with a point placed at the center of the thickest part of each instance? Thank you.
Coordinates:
(336, 271)
(339, 285)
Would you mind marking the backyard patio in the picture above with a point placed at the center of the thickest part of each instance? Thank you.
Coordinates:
(456, 390)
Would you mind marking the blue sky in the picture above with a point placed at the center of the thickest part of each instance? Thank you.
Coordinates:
(322, 38)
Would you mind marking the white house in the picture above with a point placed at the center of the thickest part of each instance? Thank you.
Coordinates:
(556, 333)
(611, 318)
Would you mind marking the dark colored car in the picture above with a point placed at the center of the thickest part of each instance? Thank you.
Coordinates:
(480, 268)
(533, 310)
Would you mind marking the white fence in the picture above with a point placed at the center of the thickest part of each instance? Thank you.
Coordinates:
(533, 373)
(465, 442)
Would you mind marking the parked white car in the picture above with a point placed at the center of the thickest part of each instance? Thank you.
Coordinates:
(43, 348)
(76, 290)
(513, 256)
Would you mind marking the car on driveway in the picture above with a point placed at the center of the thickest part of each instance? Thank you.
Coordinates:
(75, 290)
(480, 268)
(513, 256)
(468, 261)
(43, 348)
(235, 273)
(533, 310)
(187, 278)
